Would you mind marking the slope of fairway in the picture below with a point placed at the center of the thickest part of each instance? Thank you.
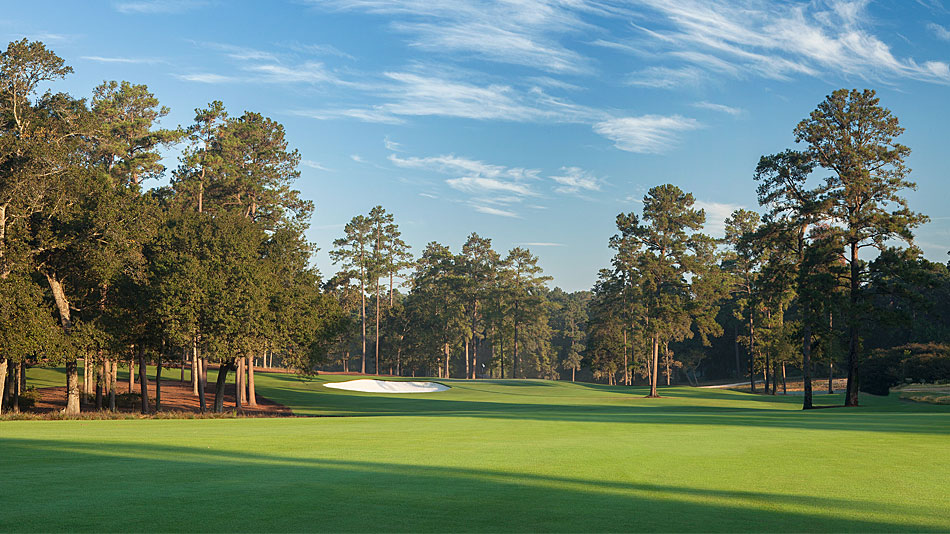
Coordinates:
(490, 456)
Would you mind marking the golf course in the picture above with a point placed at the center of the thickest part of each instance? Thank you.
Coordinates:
(489, 455)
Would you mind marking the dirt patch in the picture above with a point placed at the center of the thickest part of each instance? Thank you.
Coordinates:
(176, 396)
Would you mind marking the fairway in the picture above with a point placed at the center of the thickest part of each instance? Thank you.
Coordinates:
(490, 456)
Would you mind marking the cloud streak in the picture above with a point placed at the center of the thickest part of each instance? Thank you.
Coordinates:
(647, 134)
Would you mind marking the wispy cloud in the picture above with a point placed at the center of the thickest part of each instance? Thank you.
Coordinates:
(523, 33)
(648, 134)
(574, 179)
(478, 185)
(667, 77)
(495, 211)
(716, 215)
(127, 60)
(939, 31)
(156, 7)
(778, 41)
(314, 165)
(391, 145)
(451, 164)
(206, 77)
(722, 108)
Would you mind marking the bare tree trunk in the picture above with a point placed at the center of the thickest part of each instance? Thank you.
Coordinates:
(131, 375)
(4, 363)
(752, 351)
(202, 384)
(195, 368)
(656, 361)
(447, 373)
(251, 391)
(221, 382)
(514, 356)
(143, 380)
(184, 359)
(158, 384)
(72, 372)
(100, 381)
(735, 329)
(15, 394)
(113, 370)
(572, 373)
(784, 385)
(626, 366)
(467, 370)
(239, 384)
(851, 392)
(831, 377)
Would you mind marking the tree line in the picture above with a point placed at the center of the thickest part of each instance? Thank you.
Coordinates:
(98, 267)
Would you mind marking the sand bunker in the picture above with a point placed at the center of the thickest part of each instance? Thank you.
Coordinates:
(387, 386)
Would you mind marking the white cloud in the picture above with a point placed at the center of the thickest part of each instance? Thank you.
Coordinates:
(391, 145)
(575, 179)
(495, 211)
(716, 215)
(516, 32)
(155, 7)
(129, 60)
(206, 77)
(648, 134)
(718, 107)
(779, 40)
(313, 165)
(478, 185)
(357, 158)
(667, 77)
(939, 31)
(451, 164)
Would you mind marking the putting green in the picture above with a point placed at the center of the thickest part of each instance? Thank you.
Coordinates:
(490, 456)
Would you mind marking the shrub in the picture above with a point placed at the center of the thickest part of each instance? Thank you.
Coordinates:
(28, 398)
(885, 368)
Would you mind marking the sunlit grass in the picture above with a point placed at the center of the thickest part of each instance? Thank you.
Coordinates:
(490, 456)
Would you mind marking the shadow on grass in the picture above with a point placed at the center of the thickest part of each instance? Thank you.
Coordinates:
(680, 406)
(227, 490)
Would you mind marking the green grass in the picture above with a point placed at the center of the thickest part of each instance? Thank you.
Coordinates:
(490, 456)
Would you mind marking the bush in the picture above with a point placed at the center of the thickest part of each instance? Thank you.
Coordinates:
(886, 368)
(28, 398)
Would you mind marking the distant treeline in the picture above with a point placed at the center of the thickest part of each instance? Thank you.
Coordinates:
(97, 267)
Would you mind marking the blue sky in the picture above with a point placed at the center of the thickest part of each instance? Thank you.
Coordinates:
(532, 122)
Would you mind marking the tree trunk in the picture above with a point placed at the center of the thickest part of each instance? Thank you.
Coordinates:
(626, 380)
(72, 371)
(202, 384)
(467, 366)
(752, 350)
(113, 371)
(100, 381)
(239, 384)
(223, 370)
(784, 385)
(806, 363)
(363, 311)
(851, 395)
(447, 374)
(774, 377)
(735, 328)
(15, 394)
(184, 358)
(143, 380)
(653, 371)
(195, 367)
(831, 377)
(514, 357)
(251, 391)
(4, 363)
(131, 375)
(158, 384)
(572, 373)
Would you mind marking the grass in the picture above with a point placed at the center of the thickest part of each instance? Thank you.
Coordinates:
(929, 393)
(490, 456)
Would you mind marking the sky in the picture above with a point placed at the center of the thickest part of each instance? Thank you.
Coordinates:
(530, 122)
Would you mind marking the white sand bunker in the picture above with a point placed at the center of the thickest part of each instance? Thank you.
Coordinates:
(387, 386)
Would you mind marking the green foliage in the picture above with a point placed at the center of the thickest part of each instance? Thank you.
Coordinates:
(918, 363)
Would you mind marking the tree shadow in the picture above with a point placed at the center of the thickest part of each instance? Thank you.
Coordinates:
(238, 490)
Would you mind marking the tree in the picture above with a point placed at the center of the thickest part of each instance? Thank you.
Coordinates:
(352, 250)
(854, 137)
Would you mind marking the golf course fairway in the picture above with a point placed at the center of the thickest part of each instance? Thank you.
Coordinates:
(491, 456)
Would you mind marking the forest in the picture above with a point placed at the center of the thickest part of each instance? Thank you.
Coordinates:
(101, 268)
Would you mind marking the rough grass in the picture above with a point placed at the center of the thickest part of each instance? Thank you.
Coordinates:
(929, 393)
(490, 456)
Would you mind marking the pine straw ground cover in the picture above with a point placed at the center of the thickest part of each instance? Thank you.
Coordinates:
(930, 393)
(490, 456)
